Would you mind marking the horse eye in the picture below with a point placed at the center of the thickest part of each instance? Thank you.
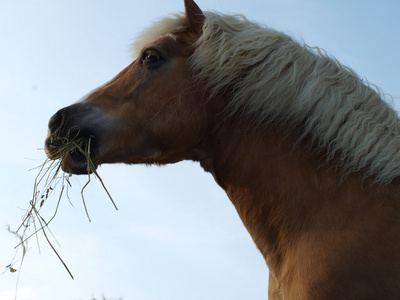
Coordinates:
(150, 58)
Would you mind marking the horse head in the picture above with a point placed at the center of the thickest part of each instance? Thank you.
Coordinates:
(151, 112)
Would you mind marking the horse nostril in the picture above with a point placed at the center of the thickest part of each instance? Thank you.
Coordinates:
(55, 122)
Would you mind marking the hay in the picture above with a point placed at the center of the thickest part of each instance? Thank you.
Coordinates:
(50, 177)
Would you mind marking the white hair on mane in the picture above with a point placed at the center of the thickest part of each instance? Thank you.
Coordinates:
(165, 26)
(272, 77)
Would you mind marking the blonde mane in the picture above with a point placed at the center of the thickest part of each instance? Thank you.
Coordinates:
(272, 77)
(165, 26)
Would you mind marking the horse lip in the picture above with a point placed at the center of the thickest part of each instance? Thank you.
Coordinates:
(74, 164)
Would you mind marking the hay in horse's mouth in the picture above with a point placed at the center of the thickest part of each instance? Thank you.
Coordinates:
(76, 154)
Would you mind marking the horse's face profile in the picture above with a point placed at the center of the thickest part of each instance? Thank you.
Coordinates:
(149, 113)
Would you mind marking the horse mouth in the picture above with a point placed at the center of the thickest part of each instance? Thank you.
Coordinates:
(77, 155)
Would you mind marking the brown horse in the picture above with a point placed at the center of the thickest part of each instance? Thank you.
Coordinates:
(307, 152)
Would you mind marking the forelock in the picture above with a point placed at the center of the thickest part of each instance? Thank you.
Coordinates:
(164, 27)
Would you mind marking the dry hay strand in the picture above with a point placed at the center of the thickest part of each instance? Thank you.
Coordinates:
(49, 177)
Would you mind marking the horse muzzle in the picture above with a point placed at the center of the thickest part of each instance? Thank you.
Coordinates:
(74, 135)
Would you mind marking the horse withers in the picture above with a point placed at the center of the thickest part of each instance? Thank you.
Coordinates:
(307, 152)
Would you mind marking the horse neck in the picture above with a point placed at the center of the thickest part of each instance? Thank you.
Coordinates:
(281, 191)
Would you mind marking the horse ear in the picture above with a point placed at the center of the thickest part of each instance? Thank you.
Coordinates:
(195, 16)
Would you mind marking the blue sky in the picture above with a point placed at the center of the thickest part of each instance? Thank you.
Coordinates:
(176, 235)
